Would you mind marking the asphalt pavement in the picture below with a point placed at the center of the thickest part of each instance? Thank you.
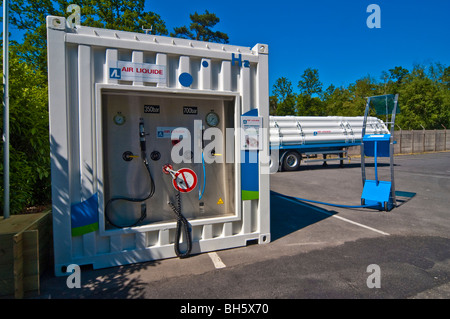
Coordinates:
(316, 251)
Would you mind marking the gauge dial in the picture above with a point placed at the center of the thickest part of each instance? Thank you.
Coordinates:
(212, 119)
(119, 119)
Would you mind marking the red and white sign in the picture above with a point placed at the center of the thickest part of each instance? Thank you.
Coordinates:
(140, 72)
(185, 180)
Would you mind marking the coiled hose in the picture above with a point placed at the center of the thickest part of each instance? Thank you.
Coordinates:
(181, 223)
(134, 200)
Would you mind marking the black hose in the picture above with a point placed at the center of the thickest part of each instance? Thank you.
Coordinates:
(134, 200)
(181, 223)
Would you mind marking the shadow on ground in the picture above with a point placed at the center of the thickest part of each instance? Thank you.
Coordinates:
(288, 216)
(121, 282)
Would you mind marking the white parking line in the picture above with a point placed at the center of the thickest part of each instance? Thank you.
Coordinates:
(216, 260)
(339, 217)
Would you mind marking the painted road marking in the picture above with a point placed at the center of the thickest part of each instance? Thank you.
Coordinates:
(338, 217)
(218, 263)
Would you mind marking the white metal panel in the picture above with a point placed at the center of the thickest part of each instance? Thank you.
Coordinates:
(138, 57)
(77, 152)
(111, 55)
(205, 75)
(59, 153)
(184, 67)
(161, 59)
(225, 76)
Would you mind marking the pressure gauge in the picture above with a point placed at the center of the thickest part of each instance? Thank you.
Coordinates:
(119, 119)
(212, 119)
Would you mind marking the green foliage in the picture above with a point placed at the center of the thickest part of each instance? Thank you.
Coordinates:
(273, 104)
(424, 96)
(285, 98)
(309, 83)
(30, 17)
(287, 107)
(200, 29)
(310, 106)
(29, 137)
(125, 15)
(424, 102)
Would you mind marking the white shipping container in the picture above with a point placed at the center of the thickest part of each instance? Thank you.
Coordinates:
(111, 91)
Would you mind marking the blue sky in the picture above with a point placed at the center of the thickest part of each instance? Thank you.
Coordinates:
(329, 35)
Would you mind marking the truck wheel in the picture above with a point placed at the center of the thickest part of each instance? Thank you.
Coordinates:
(291, 161)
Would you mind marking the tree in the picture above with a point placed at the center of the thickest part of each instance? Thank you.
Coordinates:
(30, 17)
(273, 104)
(287, 107)
(423, 102)
(392, 79)
(359, 91)
(336, 101)
(282, 89)
(310, 84)
(398, 73)
(445, 77)
(29, 141)
(328, 92)
(201, 29)
(310, 106)
(283, 92)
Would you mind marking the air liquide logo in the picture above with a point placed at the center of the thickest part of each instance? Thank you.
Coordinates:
(115, 73)
(140, 72)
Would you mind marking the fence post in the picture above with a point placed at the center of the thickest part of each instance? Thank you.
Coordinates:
(445, 137)
(423, 139)
(435, 140)
(423, 142)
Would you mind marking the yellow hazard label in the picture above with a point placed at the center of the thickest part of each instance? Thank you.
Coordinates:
(220, 201)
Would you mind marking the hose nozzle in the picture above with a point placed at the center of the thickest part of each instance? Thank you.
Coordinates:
(142, 136)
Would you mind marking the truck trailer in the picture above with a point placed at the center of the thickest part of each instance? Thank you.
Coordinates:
(294, 139)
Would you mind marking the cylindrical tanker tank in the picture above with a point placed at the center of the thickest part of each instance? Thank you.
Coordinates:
(304, 130)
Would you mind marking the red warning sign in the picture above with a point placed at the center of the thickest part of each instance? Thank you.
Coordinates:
(185, 180)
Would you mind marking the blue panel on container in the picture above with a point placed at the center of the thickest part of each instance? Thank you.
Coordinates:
(250, 169)
(85, 213)
(253, 112)
(383, 145)
(250, 174)
(374, 193)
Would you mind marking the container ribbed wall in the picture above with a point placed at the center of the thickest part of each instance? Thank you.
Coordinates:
(79, 65)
